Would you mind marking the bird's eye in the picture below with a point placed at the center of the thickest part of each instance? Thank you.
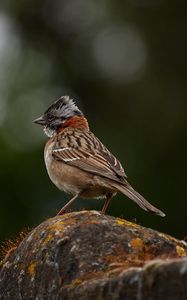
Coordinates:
(50, 118)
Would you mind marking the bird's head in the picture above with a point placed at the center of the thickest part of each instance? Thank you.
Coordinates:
(57, 114)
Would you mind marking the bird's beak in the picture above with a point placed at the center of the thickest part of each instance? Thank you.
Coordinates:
(40, 121)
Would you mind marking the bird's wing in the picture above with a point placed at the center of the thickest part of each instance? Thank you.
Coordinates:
(84, 151)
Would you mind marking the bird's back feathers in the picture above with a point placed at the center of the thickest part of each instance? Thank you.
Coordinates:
(80, 148)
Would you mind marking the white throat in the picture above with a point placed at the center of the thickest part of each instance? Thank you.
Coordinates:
(49, 132)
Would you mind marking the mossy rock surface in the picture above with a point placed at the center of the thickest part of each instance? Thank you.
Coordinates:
(87, 255)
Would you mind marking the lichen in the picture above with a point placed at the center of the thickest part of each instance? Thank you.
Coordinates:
(120, 221)
(76, 282)
(181, 251)
(47, 239)
(57, 226)
(137, 243)
(32, 268)
(126, 223)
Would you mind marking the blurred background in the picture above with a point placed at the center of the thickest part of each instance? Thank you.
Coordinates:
(125, 63)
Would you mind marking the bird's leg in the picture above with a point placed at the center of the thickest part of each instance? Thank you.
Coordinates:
(107, 201)
(63, 209)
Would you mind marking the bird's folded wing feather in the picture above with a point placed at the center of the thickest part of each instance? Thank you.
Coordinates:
(89, 154)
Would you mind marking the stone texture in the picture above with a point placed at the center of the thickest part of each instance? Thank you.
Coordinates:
(87, 255)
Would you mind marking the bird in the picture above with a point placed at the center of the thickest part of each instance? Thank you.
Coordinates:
(78, 163)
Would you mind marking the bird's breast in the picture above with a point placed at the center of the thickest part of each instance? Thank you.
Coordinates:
(71, 179)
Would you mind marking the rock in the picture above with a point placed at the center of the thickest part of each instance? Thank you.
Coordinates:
(87, 255)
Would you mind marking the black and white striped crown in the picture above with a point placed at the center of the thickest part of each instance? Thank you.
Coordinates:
(64, 107)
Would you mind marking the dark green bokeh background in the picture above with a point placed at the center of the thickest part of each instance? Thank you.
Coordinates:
(125, 62)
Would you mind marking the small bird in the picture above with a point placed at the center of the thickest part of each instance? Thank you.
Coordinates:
(78, 163)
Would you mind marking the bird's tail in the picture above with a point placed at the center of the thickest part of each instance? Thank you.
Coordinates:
(135, 196)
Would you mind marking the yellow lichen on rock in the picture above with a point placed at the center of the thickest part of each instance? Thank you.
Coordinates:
(47, 239)
(137, 243)
(126, 223)
(57, 226)
(32, 268)
(181, 251)
(120, 221)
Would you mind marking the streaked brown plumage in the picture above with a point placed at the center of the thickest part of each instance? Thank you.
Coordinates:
(78, 163)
